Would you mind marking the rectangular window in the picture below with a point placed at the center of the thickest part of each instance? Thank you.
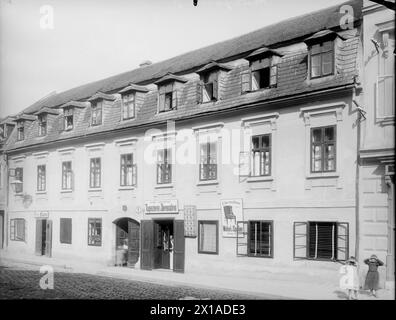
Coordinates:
(260, 235)
(17, 229)
(128, 106)
(96, 113)
(322, 240)
(19, 178)
(167, 98)
(322, 59)
(95, 173)
(208, 161)
(20, 130)
(94, 232)
(208, 237)
(210, 87)
(68, 118)
(67, 175)
(41, 178)
(261, 155)
(263, 74)
(164, 166)
(128, 171)
(323, 149)
(42, 125)
(65, 230)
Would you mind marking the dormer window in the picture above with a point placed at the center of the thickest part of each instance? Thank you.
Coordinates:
(42, 125)
(20, 130)
(96, 112)
(321, 57)
(263, 71)
(68, 119)
(128, 106)
(210, 87)
(168, 92)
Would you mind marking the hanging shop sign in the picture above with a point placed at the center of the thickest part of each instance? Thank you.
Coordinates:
(231, 212)
(170, 206)
(190, 221)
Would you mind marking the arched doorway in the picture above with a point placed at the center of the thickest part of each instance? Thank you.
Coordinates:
(127, 241)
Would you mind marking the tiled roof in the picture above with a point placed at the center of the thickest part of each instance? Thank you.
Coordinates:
(272, 35)
(102, 96)
(47, 110)
(292, 81)
(262, 52)
(23, 116)
(133, 87)
(76, 104)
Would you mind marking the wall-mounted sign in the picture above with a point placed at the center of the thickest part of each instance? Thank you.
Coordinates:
(41, 214)
(190, 221)
(231, 212)
(169, 206)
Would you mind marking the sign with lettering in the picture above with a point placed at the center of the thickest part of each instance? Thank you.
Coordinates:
(169, 206)
(231, 212)
(190, 221)
(41, 214)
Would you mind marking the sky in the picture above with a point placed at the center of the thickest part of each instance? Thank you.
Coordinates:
(55, 45)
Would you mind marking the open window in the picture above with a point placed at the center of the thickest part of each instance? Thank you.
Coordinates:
(169, 90)
(320, 240)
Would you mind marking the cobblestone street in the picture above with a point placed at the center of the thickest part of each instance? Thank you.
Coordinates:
(19, 283)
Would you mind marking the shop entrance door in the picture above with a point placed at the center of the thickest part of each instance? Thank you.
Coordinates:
(163, 244)
(43, 237)
(1, 229)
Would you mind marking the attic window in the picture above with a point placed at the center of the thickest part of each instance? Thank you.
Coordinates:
(42, 125)
(128, 106)
(321, 59)
(96, 112)
(210, 87)
(20, 130)
(263, 74)
(68, 119)
(167, 99)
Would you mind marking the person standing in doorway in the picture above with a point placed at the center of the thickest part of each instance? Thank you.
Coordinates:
(372, 278)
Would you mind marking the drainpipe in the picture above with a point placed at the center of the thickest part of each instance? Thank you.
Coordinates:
(7, 187)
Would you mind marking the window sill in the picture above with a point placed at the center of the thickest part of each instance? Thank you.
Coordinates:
(209, 102)
(164, 185)
(41, 192)
(126, 188)
(95, 190)
(385, 120)
(260, 178)
(67, 191)
(128, 119)
(207, 182)
(323, 175)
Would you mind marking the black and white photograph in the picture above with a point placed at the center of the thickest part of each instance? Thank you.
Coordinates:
(219, 151)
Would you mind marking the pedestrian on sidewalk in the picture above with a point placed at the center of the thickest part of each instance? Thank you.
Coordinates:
(372, 278)
(350, 278)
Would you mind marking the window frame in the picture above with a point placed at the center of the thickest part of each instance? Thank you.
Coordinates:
(41, 178)
(208, 164)
(96, 110)
(14, 228)
(335, 244)
(167, 163)
(124, 170)
(96, 172)
(68, 113)
(260, 150)
(61, 239)
(19, 175)
(215, 222)
(271, 223)
(323, 145)
(20, 130)
(95, 221)
(126, 105)
(320, 54)
(64, 175)
(42, 124)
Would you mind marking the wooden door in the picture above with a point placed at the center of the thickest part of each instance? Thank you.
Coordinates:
(179, 245)
(158, 245)
(146, 261)
(39, 237)
(1, 229)
(133, 242)
(48, 238)
(165, 250)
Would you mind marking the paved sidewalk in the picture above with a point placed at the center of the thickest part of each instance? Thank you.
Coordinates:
(289, 285)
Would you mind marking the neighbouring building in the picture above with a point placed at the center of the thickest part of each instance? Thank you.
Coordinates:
(377, 142)
(238, 156)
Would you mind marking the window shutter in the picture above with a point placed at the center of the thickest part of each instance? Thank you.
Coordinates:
(273, 75)
(244, 164)
(175, 96)
(199, 92)
(62, 123)
(246, 80)
(134, 175)
(39, 233)
(66, 230)
(300, 240)
(147, 246)
(161, 102)
(216, 89)
(48, 240)
(342, 241)
(242, 238)
(99, 114)
(179, 246)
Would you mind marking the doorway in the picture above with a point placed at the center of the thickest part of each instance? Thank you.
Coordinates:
(163, 240)
(127, 242)
(43, 237)
(1, 229)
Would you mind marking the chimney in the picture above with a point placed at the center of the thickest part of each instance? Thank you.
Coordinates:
(145, 63)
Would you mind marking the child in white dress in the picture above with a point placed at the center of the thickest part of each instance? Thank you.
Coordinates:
(350, 277)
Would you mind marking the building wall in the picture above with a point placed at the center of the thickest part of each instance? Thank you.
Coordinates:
(290, 195)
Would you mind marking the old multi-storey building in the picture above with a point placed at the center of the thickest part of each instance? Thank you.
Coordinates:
(376, 176)
(238, 156)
